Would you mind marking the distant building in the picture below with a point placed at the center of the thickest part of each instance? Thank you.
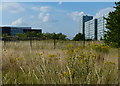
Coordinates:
(91, 29)
(16, 30)
(84, 19)
(5, 30)
(12, 31)
(32, 30)
(101, 27)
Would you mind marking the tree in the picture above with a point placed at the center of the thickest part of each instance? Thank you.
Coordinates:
(39, 35)
(4, 35)
(43, 36)
(61, 36)
(58, 36)
(78, 37)
(112, 36)
(49, 35)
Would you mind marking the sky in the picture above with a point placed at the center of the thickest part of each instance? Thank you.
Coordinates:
(51, 16)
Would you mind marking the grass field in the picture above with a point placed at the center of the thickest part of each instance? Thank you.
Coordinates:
(69, 63)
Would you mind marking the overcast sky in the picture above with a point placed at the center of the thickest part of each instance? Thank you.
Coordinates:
(52, 16)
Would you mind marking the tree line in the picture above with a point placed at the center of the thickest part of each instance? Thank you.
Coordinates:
(41, 36)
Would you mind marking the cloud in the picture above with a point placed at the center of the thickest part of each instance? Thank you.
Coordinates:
(42, 8)
(44, 14)
(104, 12)
(19, 22)
(0, 7)
(32, 16)
(46, 17)
(60, 2)
(76, 15)
(12, 7)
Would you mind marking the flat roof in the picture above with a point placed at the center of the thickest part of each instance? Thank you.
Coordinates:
(15, 27)
(9, 27)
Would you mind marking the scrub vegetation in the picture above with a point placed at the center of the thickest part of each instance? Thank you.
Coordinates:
(69, 63)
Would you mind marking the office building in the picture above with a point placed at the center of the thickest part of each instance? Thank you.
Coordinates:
(12, 31)
(5, 30)
(32, 30)
(84, 19)
(16, 30)
(101, 27)
(91, 29)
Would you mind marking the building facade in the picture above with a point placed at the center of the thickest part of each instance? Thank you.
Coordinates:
(32, 30)
(16, 30)
(84, 19)
(12, 31)
(101, 27)
(5, 30)
(91, 29)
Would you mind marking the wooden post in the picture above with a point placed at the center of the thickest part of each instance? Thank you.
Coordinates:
(54, 41)
(4, 43)
(30, 42)
(83, 39)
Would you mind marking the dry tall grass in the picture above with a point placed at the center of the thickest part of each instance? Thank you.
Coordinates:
(69, 63)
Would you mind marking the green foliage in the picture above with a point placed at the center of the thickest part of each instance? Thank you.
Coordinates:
(40, 36)
(78, 37)
(58, 36)
(44, 36)
(49, 35)
(112, 36)
(4, 35)
(61, 36)
(21, 35)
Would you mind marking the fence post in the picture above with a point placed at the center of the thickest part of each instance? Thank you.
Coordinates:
(54, 41)
(83, 39)
(4, 43)
(30, 42)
